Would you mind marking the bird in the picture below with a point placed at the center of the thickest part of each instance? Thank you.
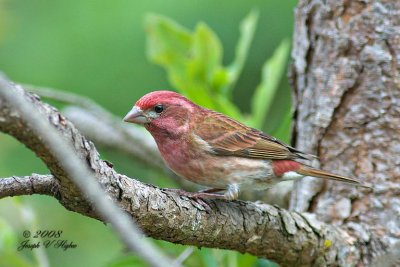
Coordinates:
(216, 151)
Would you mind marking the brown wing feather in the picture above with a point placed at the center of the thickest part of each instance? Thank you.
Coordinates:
(229, 137)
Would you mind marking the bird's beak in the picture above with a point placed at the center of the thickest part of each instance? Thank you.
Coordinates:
(136, 116)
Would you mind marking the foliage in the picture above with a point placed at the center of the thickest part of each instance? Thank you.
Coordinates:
(193, 61)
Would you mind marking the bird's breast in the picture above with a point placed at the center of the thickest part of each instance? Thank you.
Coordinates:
(196, 162)
(184, 159)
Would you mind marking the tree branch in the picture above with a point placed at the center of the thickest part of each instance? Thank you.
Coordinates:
(28, 185)
(289, 238)
(75, 168)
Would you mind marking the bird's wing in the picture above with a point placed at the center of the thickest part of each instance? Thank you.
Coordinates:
(228, 137)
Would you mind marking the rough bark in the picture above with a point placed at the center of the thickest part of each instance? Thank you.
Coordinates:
(347, 91)
(29, 185)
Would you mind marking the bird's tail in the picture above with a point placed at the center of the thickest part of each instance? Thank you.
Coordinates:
(308, 171)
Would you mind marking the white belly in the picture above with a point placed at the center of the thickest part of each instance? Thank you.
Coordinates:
(253, 174)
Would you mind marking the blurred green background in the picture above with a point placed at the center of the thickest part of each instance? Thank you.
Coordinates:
(98, 49)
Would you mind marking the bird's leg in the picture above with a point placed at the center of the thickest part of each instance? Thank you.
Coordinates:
(198, 196)
(232, 192)
(179, 191)
(205, 193)
(210, 190)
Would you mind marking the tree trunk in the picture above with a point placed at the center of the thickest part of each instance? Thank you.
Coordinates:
(347, 91)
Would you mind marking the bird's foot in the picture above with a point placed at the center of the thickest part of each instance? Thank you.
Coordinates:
(210, 190)
(207, 193)
(199, 196)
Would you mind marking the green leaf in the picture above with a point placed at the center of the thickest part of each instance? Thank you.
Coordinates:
(169, 45)
(193, 61)
(206, 56)
(168, 42)
(272, 74)
(220, 79)
(247, 29)
(203, 65)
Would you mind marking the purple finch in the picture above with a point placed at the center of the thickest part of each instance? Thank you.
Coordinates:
(211, 149)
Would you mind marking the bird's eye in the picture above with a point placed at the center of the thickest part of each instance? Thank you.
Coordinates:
(159, 108)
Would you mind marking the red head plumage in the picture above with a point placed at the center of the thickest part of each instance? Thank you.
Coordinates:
(161, 97)
(163, 112)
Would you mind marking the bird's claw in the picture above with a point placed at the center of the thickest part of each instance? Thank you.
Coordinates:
(198, 197)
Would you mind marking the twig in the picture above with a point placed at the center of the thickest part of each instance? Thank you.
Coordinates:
(28, 185)
(70, 98)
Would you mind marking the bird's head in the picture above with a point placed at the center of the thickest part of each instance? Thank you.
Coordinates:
(162, 111)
